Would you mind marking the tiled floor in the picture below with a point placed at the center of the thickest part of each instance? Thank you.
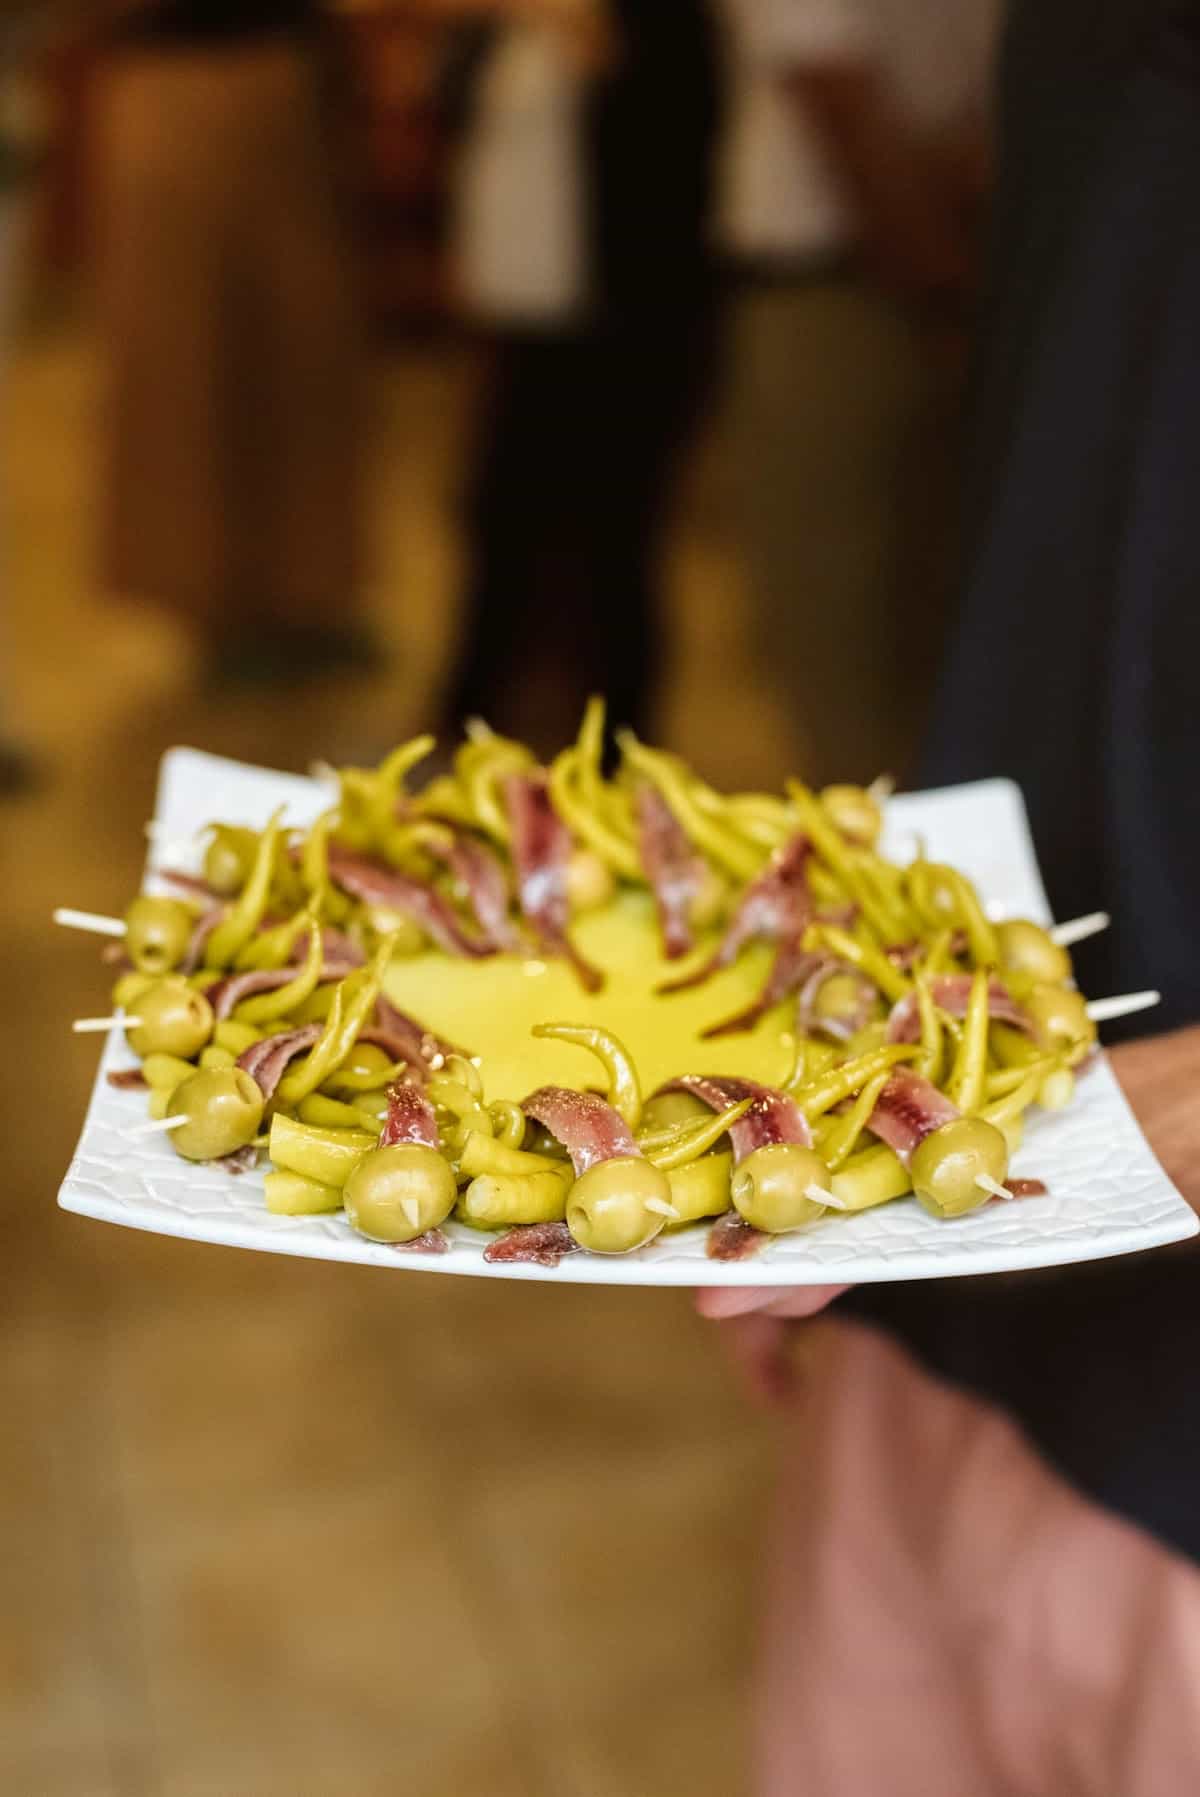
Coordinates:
(273, 1529)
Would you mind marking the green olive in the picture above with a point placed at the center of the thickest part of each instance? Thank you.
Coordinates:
(397, 1194)
(618, 1205)
(590, 884)
(773, 1187)
(854, 813)
(840, 998)
(666, 1110)
(229, 858)
(224, 1111)
(1059, 1016)
(538, 1140)
(1026, 948)
(947, 1164)
(157, 933)
(172, 1019)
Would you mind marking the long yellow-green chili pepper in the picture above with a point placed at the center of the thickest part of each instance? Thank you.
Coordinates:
(585, 823)
(387, 786)
(701, 1188)
(844, 1082)
(965, 1087)
(314, 868)
(624, 1087)
(367, 1079)
(470, 1116)
(485, 1156)
(725, 846)
(839, 1143)
(833, 850)
(354, 1000)
(328, 1156)
(163, 1072)
(873, 1176)
(269, 950)
(869, 960)
(482, 763)
(508, 1121)
(268, 1007)
(929, 1063)
(331, 1113)
(292, 1195)
(1015, 1103)
(232, 935)
(236, 1036)
(501, 1201)
(690, 1143)
(981, 937)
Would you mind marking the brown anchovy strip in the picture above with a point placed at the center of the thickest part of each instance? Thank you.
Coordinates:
(1026, 1188)
(542, 1244)
(485, 880)
(589, 1129)
(432, 1242)
(376, 884)
(772, 1117)
(243, 1161)
(952, 992)
(227, 994)
(541, 851)
(409, 1118)
(776, 907)
(791, 969)
(674, 870)
(205, 925)
(907, 1110)
(402, 1038)
(128, 1079)
(731, 1238)
(267, 1061)
(192, 883)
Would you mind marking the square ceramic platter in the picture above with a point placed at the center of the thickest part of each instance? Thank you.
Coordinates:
(1107, 1193)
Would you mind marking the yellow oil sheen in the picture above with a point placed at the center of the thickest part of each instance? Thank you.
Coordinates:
(490, 1007)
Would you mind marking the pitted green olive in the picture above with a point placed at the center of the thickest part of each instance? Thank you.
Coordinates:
(224, 1111)
(157, 933)
(1059, 1015)
(172, 1019)
(946, 1166)
(590, 884)
(1026, 948)
(399, 1193)
(618, 1205)
(775, 1187)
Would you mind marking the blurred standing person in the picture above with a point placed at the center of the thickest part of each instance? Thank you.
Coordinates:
(229, 319)
(852, 173)
(584, 194)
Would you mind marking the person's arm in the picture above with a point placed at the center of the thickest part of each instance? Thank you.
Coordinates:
(1160, 1078)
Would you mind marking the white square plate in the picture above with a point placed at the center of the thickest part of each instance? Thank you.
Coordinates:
(1108, 1195)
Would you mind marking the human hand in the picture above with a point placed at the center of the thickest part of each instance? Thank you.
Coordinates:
(1161, 1079)
(756, 1325)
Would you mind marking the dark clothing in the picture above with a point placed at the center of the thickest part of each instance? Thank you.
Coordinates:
(201, 21)
(1075, 670)
(572, 470)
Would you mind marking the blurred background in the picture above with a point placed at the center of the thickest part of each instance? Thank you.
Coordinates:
(363, 369)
